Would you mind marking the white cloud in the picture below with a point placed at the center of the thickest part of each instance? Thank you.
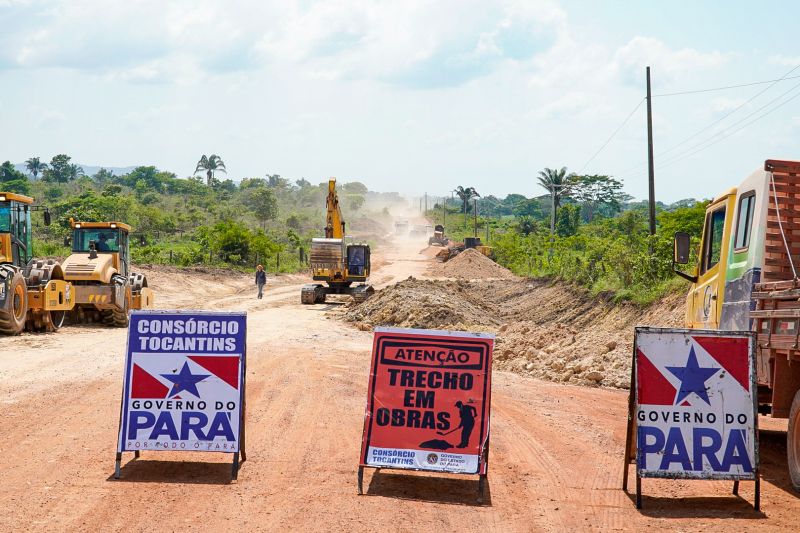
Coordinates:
(45, 118)
(640, 52)
(722, 105)
(786, 61)
(416, 42)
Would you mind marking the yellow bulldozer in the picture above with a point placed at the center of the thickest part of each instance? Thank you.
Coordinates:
(99, 269)
(344, 268)
(33, 292)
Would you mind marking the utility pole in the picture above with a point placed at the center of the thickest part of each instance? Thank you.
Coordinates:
(426, 203)
(444, 212)
(487, 230)
(650, 165)
(475, 224)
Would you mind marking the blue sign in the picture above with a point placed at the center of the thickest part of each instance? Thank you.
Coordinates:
(184, 382)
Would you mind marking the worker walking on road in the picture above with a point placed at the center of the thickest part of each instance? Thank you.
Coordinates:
(261, 280)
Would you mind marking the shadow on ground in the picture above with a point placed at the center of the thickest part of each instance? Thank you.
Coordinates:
(155, 471)
(428, 488)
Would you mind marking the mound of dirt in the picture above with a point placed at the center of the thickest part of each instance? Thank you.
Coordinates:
(471, 264)
(417, 303)
(544, 330)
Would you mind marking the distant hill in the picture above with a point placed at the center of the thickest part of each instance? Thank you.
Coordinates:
(90, 170)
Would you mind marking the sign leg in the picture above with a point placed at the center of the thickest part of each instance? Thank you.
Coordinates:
(118, 466)
(736, 487)
(481, 487)
(630, 426)
(137, 454)
(638, 491)
(757, 499)
(361, 480)
(235, 467)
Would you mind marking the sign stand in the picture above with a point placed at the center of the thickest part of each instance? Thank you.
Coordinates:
(192, 386)
(631, 445)
(630, 437)
(425, 385)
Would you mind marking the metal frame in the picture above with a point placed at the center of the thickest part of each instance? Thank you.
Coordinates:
(633, 402)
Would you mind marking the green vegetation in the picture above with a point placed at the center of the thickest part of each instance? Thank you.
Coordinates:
(599, 238)
(186, 221)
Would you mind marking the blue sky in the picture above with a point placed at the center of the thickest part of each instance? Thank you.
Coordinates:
(412, 96)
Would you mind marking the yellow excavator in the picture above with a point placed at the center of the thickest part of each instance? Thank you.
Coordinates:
(344, 268)
(33, 293)
(100, 272)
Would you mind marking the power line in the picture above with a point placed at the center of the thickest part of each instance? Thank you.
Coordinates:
(612, 135)
(736, 130)
(713, 140)
(726, 87)
(729, 113)
(741, 120)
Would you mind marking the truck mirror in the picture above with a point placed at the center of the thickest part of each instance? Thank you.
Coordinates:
(681, 248)
(47, 219)
(67, 241)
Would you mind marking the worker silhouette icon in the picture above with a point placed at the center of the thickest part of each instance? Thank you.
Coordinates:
(467, 414)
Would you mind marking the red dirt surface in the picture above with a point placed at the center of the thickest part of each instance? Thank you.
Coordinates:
(555, 460)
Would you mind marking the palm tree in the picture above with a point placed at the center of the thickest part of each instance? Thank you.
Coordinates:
(75, 171)
(210, 165)
(558, 184)
(35, 166)
(466, 194)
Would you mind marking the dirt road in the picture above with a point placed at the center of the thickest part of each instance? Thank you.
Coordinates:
(555, 462)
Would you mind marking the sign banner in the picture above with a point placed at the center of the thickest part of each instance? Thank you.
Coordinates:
(695, 408)
(428, 401)
(184, 382)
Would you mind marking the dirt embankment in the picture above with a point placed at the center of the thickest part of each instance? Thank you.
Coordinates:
(546, 330)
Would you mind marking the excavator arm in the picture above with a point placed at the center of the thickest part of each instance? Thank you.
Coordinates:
(334, 226)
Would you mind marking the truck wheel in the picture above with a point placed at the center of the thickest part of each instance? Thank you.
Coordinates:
(793, 442)
(15, 309)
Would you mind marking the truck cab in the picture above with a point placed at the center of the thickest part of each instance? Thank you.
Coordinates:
(705, 299)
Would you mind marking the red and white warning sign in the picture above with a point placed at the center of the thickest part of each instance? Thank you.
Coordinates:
(428, 402)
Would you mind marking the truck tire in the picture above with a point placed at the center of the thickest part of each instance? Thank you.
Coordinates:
(15, 309)
(793, 442)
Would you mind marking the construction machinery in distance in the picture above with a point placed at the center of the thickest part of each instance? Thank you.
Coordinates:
(401, 228)
(33, 292)
(344, 268)
(99, 270)
(438, 238)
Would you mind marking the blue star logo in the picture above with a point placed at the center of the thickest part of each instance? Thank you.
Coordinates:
(185, 381)
(693, 378)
